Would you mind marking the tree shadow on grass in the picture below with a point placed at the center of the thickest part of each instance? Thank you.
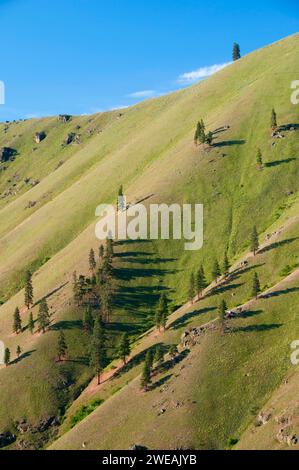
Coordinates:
(228, 143)
(128, 254)
(84, 360)
(224, 288)
(160, 382)
(128, 274)
(167, 365)
(184, 320)
(255, 328)
(52, 292)
(275, 245)
(138, 359)
(287, 127)
(277, 293)
(130, 242)
(22, 356)
(250, 313)
(134, 298)
(149, 261)
(122, 327)
(66, 325)
(279, 162)
(219, 130)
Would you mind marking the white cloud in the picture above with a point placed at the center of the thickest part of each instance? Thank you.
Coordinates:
(142, 94)
(117, 107)
(202, 72)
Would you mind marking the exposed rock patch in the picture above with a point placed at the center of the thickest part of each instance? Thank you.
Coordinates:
(39, 136)
(192, 336)
(64, 118)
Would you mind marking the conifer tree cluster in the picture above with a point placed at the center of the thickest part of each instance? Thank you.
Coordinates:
(200, 136)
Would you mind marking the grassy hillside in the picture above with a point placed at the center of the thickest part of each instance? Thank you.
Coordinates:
(149, 149)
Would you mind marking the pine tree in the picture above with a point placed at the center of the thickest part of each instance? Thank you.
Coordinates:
(149, 359)
(80, 289)
(17, 322)
(28, 290)
(43, 318)
(107, 268)
(109, 248)
(254, 241)
(273, 119)
(236, 52)
(7, 357)
(92, 260)
(18, 351)
(98, 348)
(88, 320)
(222, 312)
(201, 282)
(61, 346)
(191, 288)
(120, 199)
(256, 287)
(124, 348)
(146, 376)
(162, 312)
(75, 287)
(201, 133)
(31, 323)
(106, 301)
(226, 264)
(259, 158)
(158, 319)
(209, 138)
(101, 252)
(216, 271)
(159, 355)
(173, 351)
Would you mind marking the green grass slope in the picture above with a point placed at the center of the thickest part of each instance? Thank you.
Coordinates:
(150, 150)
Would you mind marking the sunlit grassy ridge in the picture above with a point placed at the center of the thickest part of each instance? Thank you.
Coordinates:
(150, 150)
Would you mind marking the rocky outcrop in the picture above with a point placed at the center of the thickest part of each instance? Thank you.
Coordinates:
(263, 418)
(64, 118)
(192, 336)
(71, 137)
(286, 436)
(39, 136)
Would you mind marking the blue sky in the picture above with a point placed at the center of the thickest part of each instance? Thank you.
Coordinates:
(84, 56)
